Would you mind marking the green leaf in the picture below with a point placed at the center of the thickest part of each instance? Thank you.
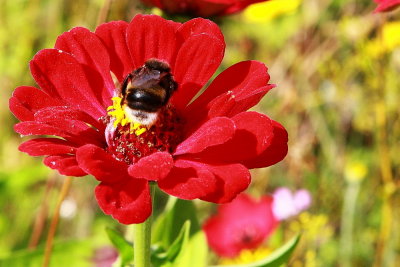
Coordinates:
(277, 258)
(179, 242)
(125, 248)
(165, 258)
(167, 226)
(194, 253)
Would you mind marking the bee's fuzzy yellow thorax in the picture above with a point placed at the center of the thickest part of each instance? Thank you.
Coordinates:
(117, 111)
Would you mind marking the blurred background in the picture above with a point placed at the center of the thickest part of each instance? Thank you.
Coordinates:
(336, 66)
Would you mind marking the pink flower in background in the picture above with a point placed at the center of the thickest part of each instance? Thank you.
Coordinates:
(244, 223)
(104, 256)
(386, 5)
(287, 204)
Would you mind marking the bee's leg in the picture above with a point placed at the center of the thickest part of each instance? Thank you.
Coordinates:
(125, 84)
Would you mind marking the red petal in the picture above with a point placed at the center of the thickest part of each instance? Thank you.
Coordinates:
(275, 152)
(89, 51)
(254, 133)
(248, 98)
(77, 130)
(36, 128)
(150, 36)
(128, 202)
(232, 180)
(95, 161)
(19, 110)
(47, 146)
(240, 81)
(62, 77)
(188, 180)
(153, 167)
(113, 34)
(74, 131)
(26, 100)
(65, 164)
(230, 104)
(199, 26)
(197, 60)
(66, 113)
(214, 132)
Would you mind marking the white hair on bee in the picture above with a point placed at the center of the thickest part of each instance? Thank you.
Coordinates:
(143, 117)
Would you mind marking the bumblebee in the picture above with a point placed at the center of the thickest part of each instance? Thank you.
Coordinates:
(146, 90)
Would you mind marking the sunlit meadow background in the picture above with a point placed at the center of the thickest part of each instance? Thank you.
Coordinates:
(336, 66)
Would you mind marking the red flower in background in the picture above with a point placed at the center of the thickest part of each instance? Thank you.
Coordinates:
(244, 223)
(201, 149)
(386, 5)
(202, 8)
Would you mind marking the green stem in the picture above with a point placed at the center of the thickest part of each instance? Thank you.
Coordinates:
(142, 239)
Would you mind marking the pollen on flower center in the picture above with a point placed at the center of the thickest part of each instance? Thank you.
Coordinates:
(117, 112)
(129, 141)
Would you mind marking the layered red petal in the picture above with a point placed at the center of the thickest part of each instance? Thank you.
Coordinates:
(150, 36)
(74, 131)
(128, 201)
(199, 26)
(95, 161)
(123, 197)
(214, 132)
(65, 165)
(232, 179)
(153, 167)
(61, 76)
(113, 35)
(253, 135)
(234, 90)
(189, 180)
(47, 146)
(90, 52)
(66, 113)
(26, 100)
(197, 60)
(275, 152)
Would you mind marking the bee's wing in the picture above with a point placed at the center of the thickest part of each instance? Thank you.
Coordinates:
(146, 78)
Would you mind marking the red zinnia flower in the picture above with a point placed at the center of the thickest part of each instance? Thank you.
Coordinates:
(202, 8)
(201, 149)
(386, 5)
(244, 223)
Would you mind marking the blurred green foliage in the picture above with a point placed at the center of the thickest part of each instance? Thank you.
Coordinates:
(338, 96)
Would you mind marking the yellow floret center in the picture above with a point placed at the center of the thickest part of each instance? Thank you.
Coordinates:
(116, 111)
